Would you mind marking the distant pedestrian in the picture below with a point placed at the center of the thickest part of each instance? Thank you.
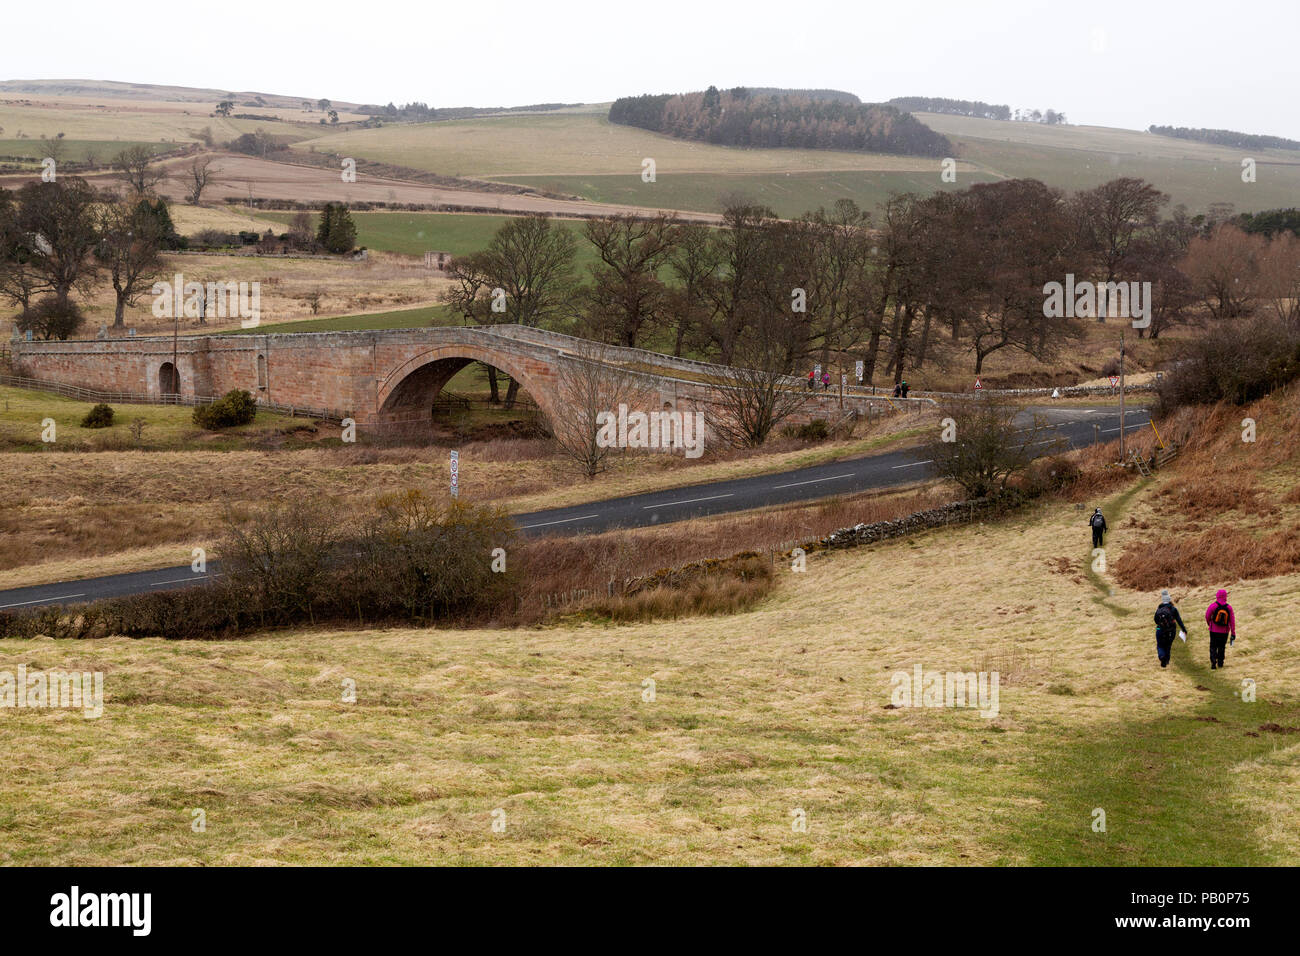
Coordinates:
(1169, 624)
(1098, 523)
(898, 391)
(826, 380)
(812, 380)
(905, 387)
(1222, 623)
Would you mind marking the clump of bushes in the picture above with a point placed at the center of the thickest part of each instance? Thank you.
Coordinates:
(1047, 475)
(1236, 362)
(236, 407)
(411, 561)
(101, 416)
(816, 430)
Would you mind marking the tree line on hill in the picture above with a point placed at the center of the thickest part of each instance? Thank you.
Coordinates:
(417, 112)
(1225, 137)
(976, 108)
(924, 279)
(740, 117)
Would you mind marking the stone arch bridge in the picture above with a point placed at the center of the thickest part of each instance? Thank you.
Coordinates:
(376, 377)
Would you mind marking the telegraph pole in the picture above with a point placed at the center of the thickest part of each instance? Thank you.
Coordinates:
(1121, 396)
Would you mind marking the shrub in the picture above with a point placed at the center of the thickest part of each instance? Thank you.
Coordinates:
(101, 416)
(816, 430)
(214, 239)
(422, 561)
(51, 318)
(1047, 475)
(1233, 361)
(236, 407)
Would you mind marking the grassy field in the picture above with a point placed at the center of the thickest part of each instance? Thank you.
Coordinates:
(583, 154)
(73, 150)
(165, 426)
(789, 194)
(415, 233)
(399, 319)
(575, 143)
(382, 282)
(784, 708)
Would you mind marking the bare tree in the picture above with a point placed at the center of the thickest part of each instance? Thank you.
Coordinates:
(200, 174)
(627, 295)
(589, 386)
(129, 247)
(982, 444)
(134, 164)
(756, 395)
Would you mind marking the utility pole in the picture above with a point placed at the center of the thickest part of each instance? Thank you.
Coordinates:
(175, 381)
(1121, 396)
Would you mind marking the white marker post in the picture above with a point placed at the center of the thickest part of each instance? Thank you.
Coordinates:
(455, 474)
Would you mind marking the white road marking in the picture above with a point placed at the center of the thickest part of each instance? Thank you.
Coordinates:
(812, 481)
(1116, 428)
(561, 521)
(928, 461)
(688, 501)
(159, 584)
(62, 597)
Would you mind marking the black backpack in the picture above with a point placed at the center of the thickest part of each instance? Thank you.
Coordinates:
(1098, 520)
(1221, 616)
(1165, 618)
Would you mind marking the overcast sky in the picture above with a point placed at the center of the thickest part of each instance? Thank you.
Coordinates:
(1128, 64)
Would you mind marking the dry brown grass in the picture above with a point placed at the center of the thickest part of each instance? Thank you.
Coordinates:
(575, 572)
(1226, 510)
(782, 706)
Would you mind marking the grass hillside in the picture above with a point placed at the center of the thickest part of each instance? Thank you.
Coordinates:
(784, 708)
(1080, 157)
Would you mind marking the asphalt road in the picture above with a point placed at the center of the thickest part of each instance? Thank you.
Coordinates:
(1077, 426)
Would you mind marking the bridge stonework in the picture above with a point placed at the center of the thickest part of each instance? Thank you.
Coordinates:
(374, 377)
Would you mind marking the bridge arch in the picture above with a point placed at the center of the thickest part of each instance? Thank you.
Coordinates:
(409, 390)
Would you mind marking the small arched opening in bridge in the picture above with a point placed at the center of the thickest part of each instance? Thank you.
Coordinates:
(419, 395)
(261, 371)
(169, 379)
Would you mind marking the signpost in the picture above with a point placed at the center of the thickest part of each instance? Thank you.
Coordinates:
(1114, 380)
(978, 385)
(455, 474)
(861, 368)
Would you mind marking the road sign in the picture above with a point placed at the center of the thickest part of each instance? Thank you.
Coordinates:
(844, 378)
(1114, 380)
(861, 369)
(978, 384)
(455, 474)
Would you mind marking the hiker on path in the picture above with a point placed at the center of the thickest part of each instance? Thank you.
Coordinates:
(898, 391)
(1098, 523)
(812, 380)
(826, 380)
(904, 388)
(1169, 624)
(1222, 623)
